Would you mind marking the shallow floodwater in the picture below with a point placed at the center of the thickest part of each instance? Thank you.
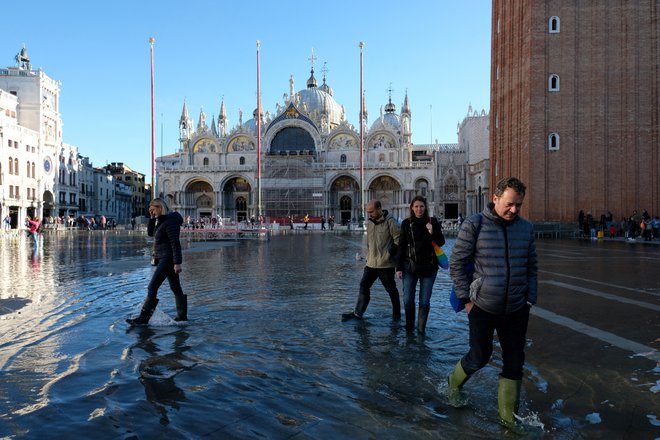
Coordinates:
(264, 355)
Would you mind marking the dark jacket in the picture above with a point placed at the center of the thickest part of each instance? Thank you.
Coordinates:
(422, 239)
(505, 269)
(166, 229)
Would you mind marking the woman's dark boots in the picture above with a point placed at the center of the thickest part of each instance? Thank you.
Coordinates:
(421, 321)
(181, 307)
(148, 308)
(410, 319)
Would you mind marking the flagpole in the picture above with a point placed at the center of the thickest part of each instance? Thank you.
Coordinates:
(258, 133)
(153, 127)
(362, 201)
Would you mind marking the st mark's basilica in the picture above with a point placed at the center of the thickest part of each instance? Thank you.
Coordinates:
(310, 163)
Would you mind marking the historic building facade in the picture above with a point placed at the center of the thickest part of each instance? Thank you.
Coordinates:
(43, 178)
(40, 175)
(310, 162)
(575, 105)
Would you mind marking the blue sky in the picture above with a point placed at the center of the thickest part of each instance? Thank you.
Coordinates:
(439, 51)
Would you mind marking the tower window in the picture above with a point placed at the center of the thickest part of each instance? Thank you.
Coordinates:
(553, 142)
(241, 160)
(554, 25)
(553, 83)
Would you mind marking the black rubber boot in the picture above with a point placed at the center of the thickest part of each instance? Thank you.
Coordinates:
(360, 308)
(396, 305)
(410, 319)
(148, 308)
(421, 321)
(181, 308)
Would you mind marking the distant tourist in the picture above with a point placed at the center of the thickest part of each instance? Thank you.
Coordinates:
(33, 225)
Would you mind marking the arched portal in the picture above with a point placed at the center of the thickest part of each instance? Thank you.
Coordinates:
(236, 198)
(199, 197)
(343, 191)
(385, 189)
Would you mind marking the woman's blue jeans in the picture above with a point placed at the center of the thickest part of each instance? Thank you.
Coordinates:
(410, 284)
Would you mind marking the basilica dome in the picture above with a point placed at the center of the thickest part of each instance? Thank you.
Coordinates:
(389, 118)
(319, 101)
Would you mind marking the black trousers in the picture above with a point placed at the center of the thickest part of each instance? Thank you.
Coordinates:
(511, 332)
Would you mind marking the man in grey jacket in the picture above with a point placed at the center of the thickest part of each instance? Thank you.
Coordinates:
(498, 295)
(382, 233)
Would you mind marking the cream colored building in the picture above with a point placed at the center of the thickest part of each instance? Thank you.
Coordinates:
(310, 161)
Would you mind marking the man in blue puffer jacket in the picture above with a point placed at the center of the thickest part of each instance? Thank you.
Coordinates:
(499, 295)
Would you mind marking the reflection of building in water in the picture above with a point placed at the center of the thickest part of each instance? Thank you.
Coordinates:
(310, 162)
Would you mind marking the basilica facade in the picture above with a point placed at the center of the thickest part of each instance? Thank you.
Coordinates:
(310, 162)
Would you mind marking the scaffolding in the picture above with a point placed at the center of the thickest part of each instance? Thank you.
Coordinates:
(291, 185)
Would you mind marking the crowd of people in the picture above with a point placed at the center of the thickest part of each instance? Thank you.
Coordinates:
(637, 225)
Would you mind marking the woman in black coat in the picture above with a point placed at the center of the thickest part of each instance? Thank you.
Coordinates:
(165, 227)
(417, 262)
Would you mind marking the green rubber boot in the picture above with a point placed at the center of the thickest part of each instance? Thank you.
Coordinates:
(456, 380)
(508, 397)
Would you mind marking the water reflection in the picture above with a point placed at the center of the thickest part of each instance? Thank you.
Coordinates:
(159, 369)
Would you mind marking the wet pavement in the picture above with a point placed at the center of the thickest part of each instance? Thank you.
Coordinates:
(265, 354)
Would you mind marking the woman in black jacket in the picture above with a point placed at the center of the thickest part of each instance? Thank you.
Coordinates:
(417, 261)
(165, 227)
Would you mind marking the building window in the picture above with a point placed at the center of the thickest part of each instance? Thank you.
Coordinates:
(11, 191)
(34, 174)
(206, 161)
(28, 168)
(342, 158)
(11, 166)
(241, 160)
(553, 83)
(16, 166)
(381, 157)
(553, 142)
(554, 25)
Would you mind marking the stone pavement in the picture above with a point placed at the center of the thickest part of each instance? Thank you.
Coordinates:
(595, 334)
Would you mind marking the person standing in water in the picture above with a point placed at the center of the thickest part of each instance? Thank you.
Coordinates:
(165, 227)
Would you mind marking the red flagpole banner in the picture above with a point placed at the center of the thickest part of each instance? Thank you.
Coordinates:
(153, 127)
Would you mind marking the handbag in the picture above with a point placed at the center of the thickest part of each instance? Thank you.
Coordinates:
(456, 303)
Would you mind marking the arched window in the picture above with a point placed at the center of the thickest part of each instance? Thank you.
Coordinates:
(33, 170)
(342, 159)
(11, 166)
(553, 83)
(381, 157)
(553, 142)
(241, 160)
(451, 188)
(206, 161)
(16, 166)
(554, 25)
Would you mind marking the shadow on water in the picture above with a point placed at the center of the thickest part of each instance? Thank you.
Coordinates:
(265, 353)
